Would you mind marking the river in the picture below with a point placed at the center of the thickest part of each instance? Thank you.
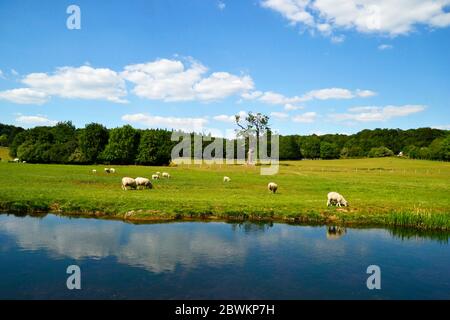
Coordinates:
(216, 260)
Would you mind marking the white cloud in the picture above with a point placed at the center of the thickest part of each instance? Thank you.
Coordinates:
(185, 124)
(14, 72)
(84, 82)
(366, 16)
(291, 107)
(271, 97)
(375, 113)
(384, 46)
(2, 75)
(279, 115)
(338, 39)
(229, 118)
(307, 117)
(24, 96)
(251, 95)
(171, 80)
(221, 5)
(442, 127)
(38, 120)
(337, 93)
(365, 93)
(329, 93)
(221, 85)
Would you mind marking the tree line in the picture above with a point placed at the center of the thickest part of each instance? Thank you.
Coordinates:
(63, 143)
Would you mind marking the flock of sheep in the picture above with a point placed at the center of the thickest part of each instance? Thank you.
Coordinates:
(140, 182)
(333, 198)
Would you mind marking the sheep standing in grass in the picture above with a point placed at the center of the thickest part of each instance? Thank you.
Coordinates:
(158, 173)
(107, 170)
(143, 182)
(166, 175)
(226, 179)
(155, 176)
(337, 199)
(94, 171)
(128, 182)
(273, 187)
(112, 170)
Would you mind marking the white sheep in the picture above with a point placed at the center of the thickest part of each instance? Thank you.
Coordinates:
(128, 182)
(158, 173)
(337, 199)
(112, 170)
(272, 186)
(166, 175)
(94, 171)
(155, 176)
(226, 179)
(143, 182)
(107, 170)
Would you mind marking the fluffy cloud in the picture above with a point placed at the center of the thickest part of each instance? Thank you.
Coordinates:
(229, 118)
(24, 96)
(374, 113)
(271, 97)
(2, 76)
(38, 120)
(383, 47)
(68, 82)
(307, 117)
(442, 127)
(221, 85)
(221, 5)
(171, 80)
(84, 82)
(367, 16)
(185, 124)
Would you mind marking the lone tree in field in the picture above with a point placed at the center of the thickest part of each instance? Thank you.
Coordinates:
(254, 124)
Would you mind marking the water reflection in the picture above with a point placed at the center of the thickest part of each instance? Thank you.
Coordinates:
(252, 227)
(150, 246)
(335, 232)
(219, 260)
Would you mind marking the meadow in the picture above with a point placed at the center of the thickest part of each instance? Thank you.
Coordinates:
(381, 192)
(4, 154)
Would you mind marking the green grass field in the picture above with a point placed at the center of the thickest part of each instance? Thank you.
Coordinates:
(4, 154)
(388, 191)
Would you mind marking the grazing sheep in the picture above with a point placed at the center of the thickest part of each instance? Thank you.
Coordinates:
(94, 171)
(143, 182)
(226, 179)
(155, 176)
(17, 160)
(166, 175)
(337, 199)
(158, 173)
(24, 162)
(107, 170)
(273, 187)
(112, 170)
(128, 182)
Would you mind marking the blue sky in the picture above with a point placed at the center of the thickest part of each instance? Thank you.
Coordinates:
(315, 66)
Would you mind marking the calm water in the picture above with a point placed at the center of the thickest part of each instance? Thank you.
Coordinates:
(215, 261)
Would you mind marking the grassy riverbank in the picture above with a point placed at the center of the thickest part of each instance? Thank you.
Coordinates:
(389, 191)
